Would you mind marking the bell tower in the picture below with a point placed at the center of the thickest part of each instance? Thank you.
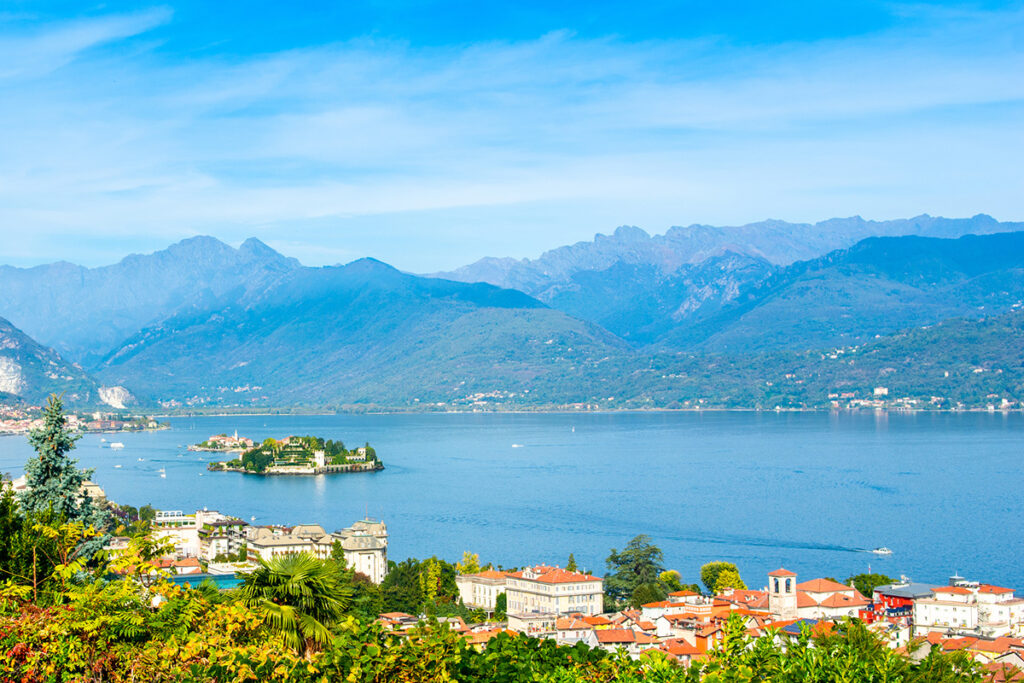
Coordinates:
(782, 594)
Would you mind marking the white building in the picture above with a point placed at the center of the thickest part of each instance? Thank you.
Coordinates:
(364, 545)
(481, 590)
(550, 590)
(182, 530)
(969, 607)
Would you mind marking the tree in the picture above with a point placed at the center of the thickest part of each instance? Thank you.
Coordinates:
(470, 563)
(709, 573)
(53, 480)
(646, 593)
(639, 563)
(867, 583)
(571, 564)
(728, 578)
(671, 580)
(501, 607)
(300, 596)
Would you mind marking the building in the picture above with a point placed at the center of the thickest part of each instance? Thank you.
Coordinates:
(221, 537)
(551, 590)
(815, 600)
(183, 532)
(782, 598)
(895, 602)
(968, 607)
(364, 545)
(481, 590)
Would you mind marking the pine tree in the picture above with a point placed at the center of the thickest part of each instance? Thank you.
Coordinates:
(54, 482)
(571, 564)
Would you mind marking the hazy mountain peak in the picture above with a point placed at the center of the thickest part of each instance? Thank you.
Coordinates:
(630, 233)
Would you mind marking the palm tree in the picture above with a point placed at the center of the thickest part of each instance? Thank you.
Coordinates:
(300, 595)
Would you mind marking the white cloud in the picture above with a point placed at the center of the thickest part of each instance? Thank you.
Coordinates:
(429, 157)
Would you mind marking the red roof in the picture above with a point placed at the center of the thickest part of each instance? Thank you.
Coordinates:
(597, 620)
(661, 604)
(683, 594)
(805, 600)
(822, 586)
(489, 574)
(555, 575)
(844, 600)
(679, 648)
(781, 572)
(954, 590)
(986, 588)
(615, 635)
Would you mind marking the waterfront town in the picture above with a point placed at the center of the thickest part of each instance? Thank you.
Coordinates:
(16, 419)
(567, 606)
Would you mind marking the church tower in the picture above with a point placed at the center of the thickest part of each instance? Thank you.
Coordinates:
(782, 594)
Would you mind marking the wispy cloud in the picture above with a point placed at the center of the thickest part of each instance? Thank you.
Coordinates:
(429, 157)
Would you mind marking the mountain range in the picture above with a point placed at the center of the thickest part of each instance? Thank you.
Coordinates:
(628, 320)
(642, 287)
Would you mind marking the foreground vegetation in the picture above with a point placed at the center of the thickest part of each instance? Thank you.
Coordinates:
(69, 613)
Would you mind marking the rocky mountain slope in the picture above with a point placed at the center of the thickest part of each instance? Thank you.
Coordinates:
(30, 371)
(642, 287)
(877, 287)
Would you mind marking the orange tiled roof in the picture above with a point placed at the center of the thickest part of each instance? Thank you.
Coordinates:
(781, 572)
(683, 594)
(615, 635)
(679, 648)
(954, 590)
(958, 643)
(822, 586)
(489, 574)
(597, 620)
(556, 575)
(805, 600)
(986, 588)
(844, 600)
(661, 604)
(1000, 645)
(647, 626)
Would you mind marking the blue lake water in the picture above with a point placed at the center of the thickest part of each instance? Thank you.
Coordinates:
(808, 491)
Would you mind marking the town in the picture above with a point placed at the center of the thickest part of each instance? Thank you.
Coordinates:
(23, 419)
(569, 606)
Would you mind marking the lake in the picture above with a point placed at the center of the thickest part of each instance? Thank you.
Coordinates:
(808, 491)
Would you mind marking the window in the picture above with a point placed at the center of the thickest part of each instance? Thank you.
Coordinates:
(788, 585)
(776, 585)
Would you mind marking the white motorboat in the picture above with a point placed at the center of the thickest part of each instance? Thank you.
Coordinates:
(117, 445)
(882, 551)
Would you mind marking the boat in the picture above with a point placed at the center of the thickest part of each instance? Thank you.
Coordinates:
(117, 467)
(253, 518)
(882, 551)
(517, 445)
(117, 445)
(163, 475)
(161, 470)
(141, 459)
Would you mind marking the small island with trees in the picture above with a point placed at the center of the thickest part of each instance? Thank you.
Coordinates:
(301, 455)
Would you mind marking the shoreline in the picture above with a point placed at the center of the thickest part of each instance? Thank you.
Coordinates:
(608, 411)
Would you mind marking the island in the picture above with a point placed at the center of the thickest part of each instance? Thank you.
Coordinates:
(301, 455)
(223, 443)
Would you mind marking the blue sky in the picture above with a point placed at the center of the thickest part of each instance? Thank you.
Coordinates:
(429, 134)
